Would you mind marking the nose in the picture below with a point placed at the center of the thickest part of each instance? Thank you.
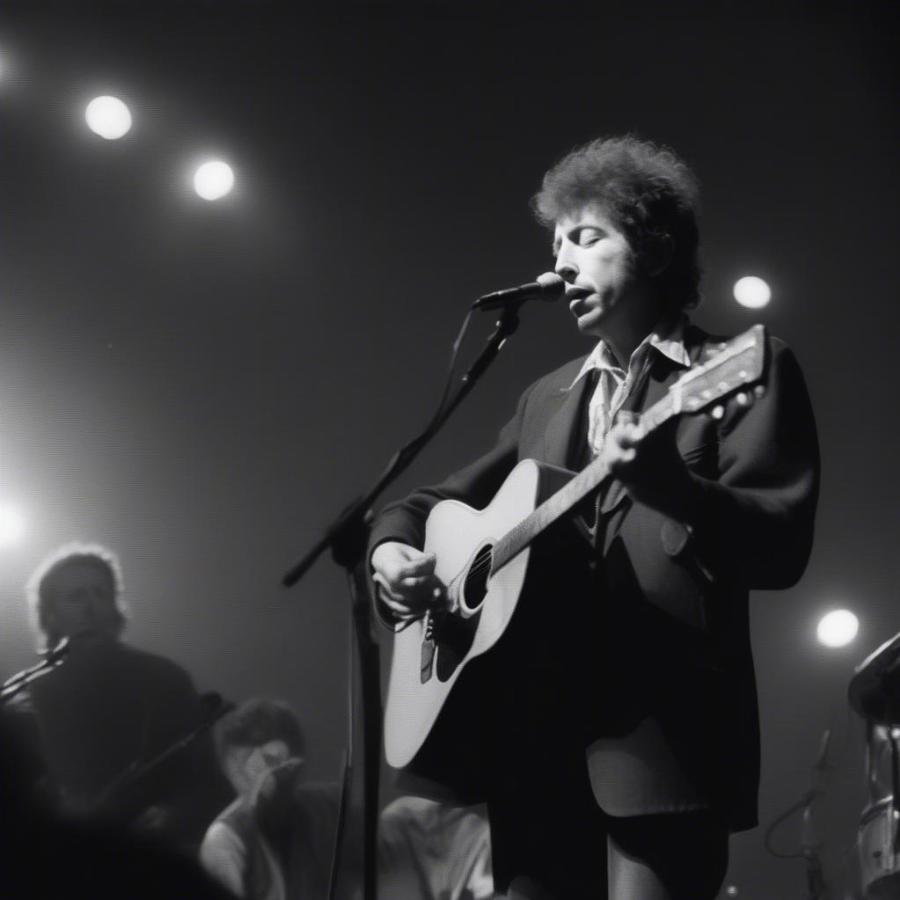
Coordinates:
(565, 267)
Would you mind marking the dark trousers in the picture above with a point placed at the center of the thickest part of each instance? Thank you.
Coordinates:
(675, 856)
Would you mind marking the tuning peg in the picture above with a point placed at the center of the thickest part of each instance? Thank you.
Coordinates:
(759, 390)
(717, 412)
(742, 399)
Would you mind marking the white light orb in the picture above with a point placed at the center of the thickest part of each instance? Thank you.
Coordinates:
(731, 890)
(12, 526)
(752, 292)
(109, 117)
(837, 628)
(213, 180)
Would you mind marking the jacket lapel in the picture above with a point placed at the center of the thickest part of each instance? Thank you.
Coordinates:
(561, 436)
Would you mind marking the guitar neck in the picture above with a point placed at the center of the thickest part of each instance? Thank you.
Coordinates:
(574, 491)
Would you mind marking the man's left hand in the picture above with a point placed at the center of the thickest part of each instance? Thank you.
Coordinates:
(650, 467)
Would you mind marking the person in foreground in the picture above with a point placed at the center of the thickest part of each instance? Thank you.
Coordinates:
(622, 742)
(277, 839)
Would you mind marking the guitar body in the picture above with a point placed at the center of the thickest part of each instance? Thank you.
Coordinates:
(424, 672)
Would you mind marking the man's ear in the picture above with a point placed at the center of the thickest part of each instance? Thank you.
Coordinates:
(658, 255)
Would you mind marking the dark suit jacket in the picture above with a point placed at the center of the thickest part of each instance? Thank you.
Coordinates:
(671, 719)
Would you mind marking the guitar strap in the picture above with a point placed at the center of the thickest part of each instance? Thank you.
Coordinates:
(600, 519)
(584, 515)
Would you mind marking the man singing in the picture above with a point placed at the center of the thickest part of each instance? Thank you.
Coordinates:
(625, 739)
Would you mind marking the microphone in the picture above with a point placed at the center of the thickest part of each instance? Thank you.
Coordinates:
(54, 655)
(548, 286)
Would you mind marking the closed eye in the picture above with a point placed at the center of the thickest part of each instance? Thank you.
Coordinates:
(582, 236)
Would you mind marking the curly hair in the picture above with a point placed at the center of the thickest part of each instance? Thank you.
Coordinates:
(256, 722)
(648, 191)
(41, 587)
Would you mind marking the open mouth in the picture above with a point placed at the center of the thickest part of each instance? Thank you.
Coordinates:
(574, 293)
(575, 297)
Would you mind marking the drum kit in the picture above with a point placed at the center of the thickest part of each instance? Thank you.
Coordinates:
(874, 693)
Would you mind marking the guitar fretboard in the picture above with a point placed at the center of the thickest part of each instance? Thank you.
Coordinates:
(570, 495)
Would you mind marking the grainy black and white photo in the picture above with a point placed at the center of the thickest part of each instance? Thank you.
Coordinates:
(447, 450)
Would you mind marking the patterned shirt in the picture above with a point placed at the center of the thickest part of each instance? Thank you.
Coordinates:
(614, 385)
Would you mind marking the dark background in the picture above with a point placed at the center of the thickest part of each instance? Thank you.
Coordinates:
(203, 385)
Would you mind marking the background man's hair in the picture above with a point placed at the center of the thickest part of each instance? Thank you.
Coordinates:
(256, 722)
(648, 192)
(40, 587)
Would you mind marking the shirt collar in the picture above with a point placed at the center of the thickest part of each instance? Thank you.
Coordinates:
(667, 338)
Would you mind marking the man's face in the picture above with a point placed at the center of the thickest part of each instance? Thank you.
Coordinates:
(596, 260)
(83, 600)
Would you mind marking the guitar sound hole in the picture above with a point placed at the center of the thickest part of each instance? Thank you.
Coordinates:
(454, 634)
(475, 585)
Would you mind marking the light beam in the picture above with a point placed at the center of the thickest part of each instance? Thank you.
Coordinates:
(837, 628)
(108, 117)
(12, 526)
(213, 180)
(752, 292)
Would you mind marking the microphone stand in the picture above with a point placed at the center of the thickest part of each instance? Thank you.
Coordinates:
(52, 658)
(347, 538)
(810, 842)
(810, 846)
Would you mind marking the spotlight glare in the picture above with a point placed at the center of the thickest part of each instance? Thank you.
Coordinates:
(837, 628)
(108, 117)
(12, 526)
(213, 180)
(752, 292)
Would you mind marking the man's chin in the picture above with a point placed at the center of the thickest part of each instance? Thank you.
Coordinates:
(590, 324)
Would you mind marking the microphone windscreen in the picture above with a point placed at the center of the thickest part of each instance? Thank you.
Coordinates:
(552, 285)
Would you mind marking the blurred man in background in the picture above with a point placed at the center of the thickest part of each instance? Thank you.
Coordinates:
(102, 718)
(277, 840)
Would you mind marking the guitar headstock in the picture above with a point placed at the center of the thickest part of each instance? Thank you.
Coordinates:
(737, 369)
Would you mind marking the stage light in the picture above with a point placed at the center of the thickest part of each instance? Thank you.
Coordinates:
(752, 292)
(731, 891)
(12, 526)
(109, 117)
(837, 628)
(213, 180)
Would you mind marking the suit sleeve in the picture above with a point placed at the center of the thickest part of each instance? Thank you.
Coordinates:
(756, 519)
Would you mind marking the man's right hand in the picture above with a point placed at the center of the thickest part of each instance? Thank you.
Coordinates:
(405, 580)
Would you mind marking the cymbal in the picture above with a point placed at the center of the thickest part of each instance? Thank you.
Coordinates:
(874, 691)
